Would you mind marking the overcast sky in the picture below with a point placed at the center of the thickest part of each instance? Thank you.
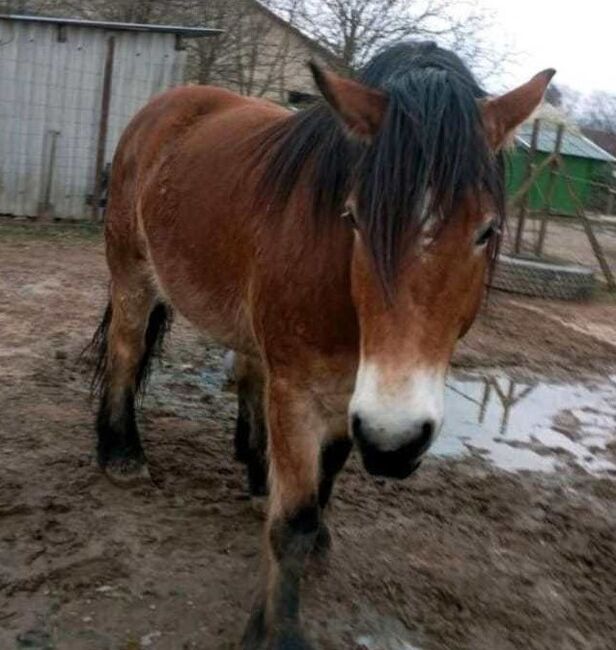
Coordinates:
(578, 38)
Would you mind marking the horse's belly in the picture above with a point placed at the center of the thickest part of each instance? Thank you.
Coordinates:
(201, 287)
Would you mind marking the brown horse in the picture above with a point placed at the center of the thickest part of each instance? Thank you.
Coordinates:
(341, 251)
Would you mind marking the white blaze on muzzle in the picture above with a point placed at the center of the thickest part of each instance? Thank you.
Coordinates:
(395, 413)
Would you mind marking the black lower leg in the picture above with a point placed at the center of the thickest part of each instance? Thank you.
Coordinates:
(241, 440)
(119, 448)
(275, 625)
(292, 540)
(257, 465)
(251, 437)
(333, 456)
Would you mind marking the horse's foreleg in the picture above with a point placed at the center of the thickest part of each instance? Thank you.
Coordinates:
(119, 449)
(295, 433)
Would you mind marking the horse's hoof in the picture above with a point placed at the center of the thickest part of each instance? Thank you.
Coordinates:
(290, 640)
(127, 472)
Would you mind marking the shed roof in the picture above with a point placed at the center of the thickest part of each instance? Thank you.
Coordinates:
(186, 32)
(573, 144)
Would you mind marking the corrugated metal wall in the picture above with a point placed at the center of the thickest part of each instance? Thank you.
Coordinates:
(50, 102)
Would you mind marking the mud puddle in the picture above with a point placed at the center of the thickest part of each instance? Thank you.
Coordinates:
(540, 425)
(532, 425)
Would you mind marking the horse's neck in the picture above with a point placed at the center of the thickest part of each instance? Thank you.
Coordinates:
(308, 273)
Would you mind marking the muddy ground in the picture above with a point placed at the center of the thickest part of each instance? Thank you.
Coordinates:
(462, 555)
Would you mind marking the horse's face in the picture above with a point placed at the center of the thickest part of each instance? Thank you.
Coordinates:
(407, 342)
(407, 339)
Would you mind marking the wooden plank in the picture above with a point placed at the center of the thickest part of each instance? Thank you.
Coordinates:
(594, 242)
(543, 219)
(103, 127)
(519, 235)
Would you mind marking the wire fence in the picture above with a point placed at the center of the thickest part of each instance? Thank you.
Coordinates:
(556, 167)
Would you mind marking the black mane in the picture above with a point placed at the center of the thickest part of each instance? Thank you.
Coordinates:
(432, 138)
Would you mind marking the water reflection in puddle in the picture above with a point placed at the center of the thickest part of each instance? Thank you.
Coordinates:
(383, 643)
(383, 633)
(533, 425)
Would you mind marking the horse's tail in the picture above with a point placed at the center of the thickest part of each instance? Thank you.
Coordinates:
(96, 352)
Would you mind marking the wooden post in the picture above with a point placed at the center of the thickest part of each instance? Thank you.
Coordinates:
(594, 242)
(609, 207)
(524, 199)
(45, 207)
(529, 182)
(547, 208)
(103, 127)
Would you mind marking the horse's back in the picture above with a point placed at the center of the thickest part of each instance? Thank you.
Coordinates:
(158, 128)
(179, 195)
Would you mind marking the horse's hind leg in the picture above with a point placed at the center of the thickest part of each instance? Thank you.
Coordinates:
(131, 331)
(251, 433)
(334, 453)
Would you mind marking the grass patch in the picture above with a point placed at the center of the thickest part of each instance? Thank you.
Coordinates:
(20, 230)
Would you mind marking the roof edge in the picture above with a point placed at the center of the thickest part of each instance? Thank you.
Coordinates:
(605, 156)
(186, 32)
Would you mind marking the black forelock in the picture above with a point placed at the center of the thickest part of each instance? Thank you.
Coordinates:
(431, 138)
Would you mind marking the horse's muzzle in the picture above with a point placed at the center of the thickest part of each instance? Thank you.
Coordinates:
(396, 463)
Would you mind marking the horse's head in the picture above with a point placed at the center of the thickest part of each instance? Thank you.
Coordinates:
(426, 203)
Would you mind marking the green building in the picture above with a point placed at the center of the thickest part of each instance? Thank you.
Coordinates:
(584, 162)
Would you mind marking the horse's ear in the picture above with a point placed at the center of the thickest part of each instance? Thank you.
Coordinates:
(501, 115)
(360, 108)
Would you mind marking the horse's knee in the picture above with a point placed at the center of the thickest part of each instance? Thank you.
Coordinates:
(292, 537)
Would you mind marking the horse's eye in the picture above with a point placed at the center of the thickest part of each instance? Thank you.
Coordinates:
(349, 216)
(486, 232)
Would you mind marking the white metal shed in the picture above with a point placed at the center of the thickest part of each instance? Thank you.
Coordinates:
(67, 90)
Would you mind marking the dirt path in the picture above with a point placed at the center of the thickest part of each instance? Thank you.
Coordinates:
(460, 556)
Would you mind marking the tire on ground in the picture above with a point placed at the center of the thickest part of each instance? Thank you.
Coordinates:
(543, 279)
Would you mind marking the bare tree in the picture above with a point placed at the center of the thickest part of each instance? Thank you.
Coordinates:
(256, 54)
(257, 51)
(554, 96)
(27, 6)
(571, 101)
(354, 30)
(600, 111)
(120, 10)
(266, 42)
